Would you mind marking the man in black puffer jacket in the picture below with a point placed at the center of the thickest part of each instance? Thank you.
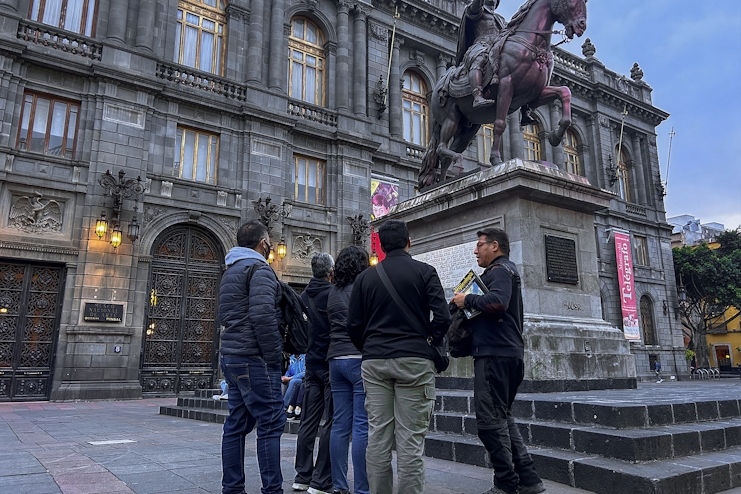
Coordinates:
(316, 478)
(251, 357)
(498, 351)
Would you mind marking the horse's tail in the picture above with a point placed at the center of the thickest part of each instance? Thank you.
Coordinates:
(430, 159)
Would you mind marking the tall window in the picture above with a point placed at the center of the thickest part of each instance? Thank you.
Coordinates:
(570, 149)
(71, 15)
(647, 320)
(484, 142)
(622, 177)
(196, 155)
(532, 142)
(199, 35)
(306, 63)
(309, 180)
(641, 247)
(48, 125)
(414, 103)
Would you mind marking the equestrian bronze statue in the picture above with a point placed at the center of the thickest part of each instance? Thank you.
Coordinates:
(501, 68)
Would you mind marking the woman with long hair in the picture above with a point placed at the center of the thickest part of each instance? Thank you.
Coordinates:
(344, 375)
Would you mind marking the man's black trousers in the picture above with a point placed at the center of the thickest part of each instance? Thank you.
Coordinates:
(495, 384)
(317, 406)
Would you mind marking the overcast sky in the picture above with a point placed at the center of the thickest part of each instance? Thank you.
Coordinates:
(690, 53)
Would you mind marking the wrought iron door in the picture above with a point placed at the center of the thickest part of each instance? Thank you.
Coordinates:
(180, 347)
(30, 301)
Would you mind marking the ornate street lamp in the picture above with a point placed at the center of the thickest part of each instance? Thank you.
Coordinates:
(282, 248)
(271, 257)
(373, 258)
(133, 233)
(116, 237)
(101, 226)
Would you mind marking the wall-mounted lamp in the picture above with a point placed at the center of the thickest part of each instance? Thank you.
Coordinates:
(120, 189)
(271, 257)
(373, 258)
(282, 248)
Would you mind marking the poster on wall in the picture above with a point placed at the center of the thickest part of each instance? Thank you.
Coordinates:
(623, 254)
(384, 196)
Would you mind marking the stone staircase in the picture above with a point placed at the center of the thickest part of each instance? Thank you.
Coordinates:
(671, 438)
(654, 440)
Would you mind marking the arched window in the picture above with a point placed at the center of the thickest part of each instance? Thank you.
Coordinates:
(570, 149)
(532, 142)
(414, 103)
(622, 176)
(484, 142)
(77, 16)
(199, 35)
(647, 321)
(306, 62)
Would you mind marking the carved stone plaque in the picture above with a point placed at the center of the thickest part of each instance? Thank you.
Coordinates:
(560, 260)
(110, 313)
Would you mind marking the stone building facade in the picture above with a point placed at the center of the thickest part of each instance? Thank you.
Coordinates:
(198, 99)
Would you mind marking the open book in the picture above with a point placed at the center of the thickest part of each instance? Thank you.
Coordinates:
(471, 283)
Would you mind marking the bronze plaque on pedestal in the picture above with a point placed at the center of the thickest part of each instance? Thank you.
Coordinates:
(560, 260)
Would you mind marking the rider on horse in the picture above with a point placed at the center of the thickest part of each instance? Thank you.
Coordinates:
(478, 33)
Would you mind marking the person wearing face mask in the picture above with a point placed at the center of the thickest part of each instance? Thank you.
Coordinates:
(251, 358)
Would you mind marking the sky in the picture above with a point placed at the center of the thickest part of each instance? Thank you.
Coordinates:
(690, 54)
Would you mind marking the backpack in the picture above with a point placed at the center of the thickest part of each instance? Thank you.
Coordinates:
(294, 324)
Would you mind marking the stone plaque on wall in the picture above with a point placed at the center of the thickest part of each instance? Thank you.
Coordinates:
(452, 264)
(560, 260)
(97, 312)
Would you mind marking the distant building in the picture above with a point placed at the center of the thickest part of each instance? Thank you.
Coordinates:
(689, 231)
(217, 104)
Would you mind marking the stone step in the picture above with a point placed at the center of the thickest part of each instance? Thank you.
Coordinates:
(705, 473)
(215, 416)
(550, 386)
(607, 413)
(644, 444)
(203, 403)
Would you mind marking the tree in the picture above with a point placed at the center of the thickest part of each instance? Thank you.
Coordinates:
(709, 283)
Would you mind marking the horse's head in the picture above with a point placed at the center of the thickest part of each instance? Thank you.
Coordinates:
(572, 14)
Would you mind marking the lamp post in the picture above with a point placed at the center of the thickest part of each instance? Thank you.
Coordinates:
(119, 189)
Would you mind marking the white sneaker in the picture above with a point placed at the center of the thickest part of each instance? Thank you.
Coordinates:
(225, 396)
(660, 381)
(317, 491)
(300, 487)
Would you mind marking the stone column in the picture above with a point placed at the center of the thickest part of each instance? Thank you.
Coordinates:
(236, 18)
(254, 47)
(555, 115)
(360, 63)
(277, 65)
(343, 57)
(515, 137)
(145, 24)
(10, 5)
(442, 65)
(638, 171)
(117, 14)
(395, 89)
(330, 52)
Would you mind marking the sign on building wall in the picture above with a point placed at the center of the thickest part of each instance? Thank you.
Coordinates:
(384, 196)
(628, 304)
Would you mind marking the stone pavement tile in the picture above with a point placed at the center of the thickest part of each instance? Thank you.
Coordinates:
(71, 463)
(21, 463)
(156, 482)
(35, 483)
(90, 483)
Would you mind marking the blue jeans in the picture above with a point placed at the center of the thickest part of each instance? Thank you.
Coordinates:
(349, 416)
(292, 389)
(254, 398)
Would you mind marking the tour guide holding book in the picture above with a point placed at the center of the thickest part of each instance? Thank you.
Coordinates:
(498, 351)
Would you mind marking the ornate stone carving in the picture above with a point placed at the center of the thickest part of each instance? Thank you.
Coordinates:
(151, 212)
(360, 229)
(378, 31)
(33, 215)
(622, 84)
(636, 73)
(305, 246)
(231, 223)
(604, 121)
(330, 48)
(588, 49)
(221, 198)
(361, 11)
(237, 13)
(311, 4)
(343, 7)
(652, 139)
(286, 30)
(270, 212)
(418, 57)
(166, 190)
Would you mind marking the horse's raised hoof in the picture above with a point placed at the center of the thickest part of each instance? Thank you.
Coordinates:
(554, 140)
(495, 160)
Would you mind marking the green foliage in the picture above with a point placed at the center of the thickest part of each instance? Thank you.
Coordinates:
(688, 354)
(711, 280)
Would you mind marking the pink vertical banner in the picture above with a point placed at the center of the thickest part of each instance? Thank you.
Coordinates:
(623, 254)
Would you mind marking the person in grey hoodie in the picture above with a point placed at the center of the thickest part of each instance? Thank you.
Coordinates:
(251, 357)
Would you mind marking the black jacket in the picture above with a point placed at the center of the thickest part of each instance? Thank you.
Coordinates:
(248, 309)
(497, 331)
(379, 328)
(318, 290)
(340, 344)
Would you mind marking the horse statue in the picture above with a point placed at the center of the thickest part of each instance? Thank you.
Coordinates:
(523, 55)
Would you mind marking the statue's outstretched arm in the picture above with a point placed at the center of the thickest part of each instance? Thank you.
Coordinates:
(475, 7)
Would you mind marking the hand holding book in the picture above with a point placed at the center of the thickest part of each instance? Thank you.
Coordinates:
(470, 284)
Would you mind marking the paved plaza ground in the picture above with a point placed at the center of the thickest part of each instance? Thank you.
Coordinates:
(126, 446)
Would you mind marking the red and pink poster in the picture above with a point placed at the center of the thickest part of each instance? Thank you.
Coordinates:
(623, 253)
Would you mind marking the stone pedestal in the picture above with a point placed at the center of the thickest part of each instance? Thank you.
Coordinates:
(567, 344)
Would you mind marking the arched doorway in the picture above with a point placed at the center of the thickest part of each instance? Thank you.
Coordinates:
(180, 347)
